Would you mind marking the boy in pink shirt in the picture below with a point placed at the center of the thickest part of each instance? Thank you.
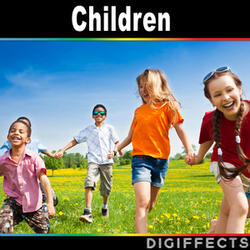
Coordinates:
(22, 170)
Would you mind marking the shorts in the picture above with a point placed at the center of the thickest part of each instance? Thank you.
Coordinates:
(95, 170)
(149, 169)
(11, 214)
(214, 168)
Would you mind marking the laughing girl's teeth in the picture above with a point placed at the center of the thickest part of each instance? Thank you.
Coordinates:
(228, 105)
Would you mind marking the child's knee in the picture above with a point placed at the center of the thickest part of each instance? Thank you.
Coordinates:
(240, 208)
(6, 220)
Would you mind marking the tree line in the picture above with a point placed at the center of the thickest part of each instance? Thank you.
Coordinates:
(77, 160)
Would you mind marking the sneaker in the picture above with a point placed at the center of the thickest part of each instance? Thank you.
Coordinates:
(87, 216)
(105, 212)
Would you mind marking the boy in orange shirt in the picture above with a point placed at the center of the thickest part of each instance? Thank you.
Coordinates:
(151, 146)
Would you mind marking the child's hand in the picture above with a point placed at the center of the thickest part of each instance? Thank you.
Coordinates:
(51, 210)
(58, 154)
(53, 155)
(119, 150)
(110, 154)
(190, 158)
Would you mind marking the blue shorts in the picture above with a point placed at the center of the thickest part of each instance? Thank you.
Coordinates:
(147, 168)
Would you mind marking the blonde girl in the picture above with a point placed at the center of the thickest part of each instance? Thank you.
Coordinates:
(229, 128)
(149, 134)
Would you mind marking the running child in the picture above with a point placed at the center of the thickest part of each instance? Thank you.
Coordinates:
(227, 127)
(100, 138)
(22, 169)
(149, 134)
(36, 147)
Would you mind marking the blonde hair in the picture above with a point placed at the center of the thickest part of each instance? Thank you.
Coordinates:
(155, 83)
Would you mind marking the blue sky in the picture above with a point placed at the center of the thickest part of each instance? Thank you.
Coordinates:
(57, 83)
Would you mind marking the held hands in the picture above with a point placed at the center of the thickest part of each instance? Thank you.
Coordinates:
(58, 154)
(191, 158)
(111, 154)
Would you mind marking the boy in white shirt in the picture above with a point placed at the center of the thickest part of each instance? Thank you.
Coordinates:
(100, 138)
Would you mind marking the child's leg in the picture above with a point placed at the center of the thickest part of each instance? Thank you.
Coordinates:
(91, 182)
(10, 215)
(221, 223)
(234, 207)
(6, 219)
(88, 196)
(142, 194)
(106, 181)
(153, 198)
(39, 220)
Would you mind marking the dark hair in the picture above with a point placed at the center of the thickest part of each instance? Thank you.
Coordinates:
(99, 106)
(23, 122)
(21, 118)
(224, 171)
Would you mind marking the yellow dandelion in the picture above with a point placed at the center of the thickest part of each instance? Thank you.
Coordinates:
(167, 215)
(150, 226)
(174, 215)
(187, 221)
(196, 217)
(98, 230)
(60, 213)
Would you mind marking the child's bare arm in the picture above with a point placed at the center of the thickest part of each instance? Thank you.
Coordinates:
(125, 142)
(184, 138)
(60, 153)
(204, 147)
(47, 189)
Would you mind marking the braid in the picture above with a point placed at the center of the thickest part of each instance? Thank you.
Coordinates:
(216, 127)
(224, 171)
(241, 154)
(216, 136)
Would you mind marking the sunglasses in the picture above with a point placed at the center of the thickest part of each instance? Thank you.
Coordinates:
(96, 112)
(219, 70)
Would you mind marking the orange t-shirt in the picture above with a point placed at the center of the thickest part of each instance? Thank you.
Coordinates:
(150, 130)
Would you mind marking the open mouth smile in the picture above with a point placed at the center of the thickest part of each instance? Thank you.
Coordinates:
(15, 139)
(228, 105)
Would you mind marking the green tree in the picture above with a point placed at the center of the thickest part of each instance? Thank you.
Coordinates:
(52, 163)
(125, 159)
(184, 152)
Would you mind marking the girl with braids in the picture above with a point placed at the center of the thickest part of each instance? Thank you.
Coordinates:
(228, 127)
(149, 136)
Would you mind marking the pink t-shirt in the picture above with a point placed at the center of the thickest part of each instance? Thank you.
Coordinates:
(21, 180)
(227, 128)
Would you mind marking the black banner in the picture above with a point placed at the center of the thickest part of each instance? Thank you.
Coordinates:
(123, 18)
(144, 242)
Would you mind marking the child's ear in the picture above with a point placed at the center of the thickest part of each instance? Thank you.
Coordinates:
(27, 140)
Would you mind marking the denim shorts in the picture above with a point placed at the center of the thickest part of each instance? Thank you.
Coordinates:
(149, 169)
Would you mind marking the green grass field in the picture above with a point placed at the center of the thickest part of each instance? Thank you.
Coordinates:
(186, 204)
